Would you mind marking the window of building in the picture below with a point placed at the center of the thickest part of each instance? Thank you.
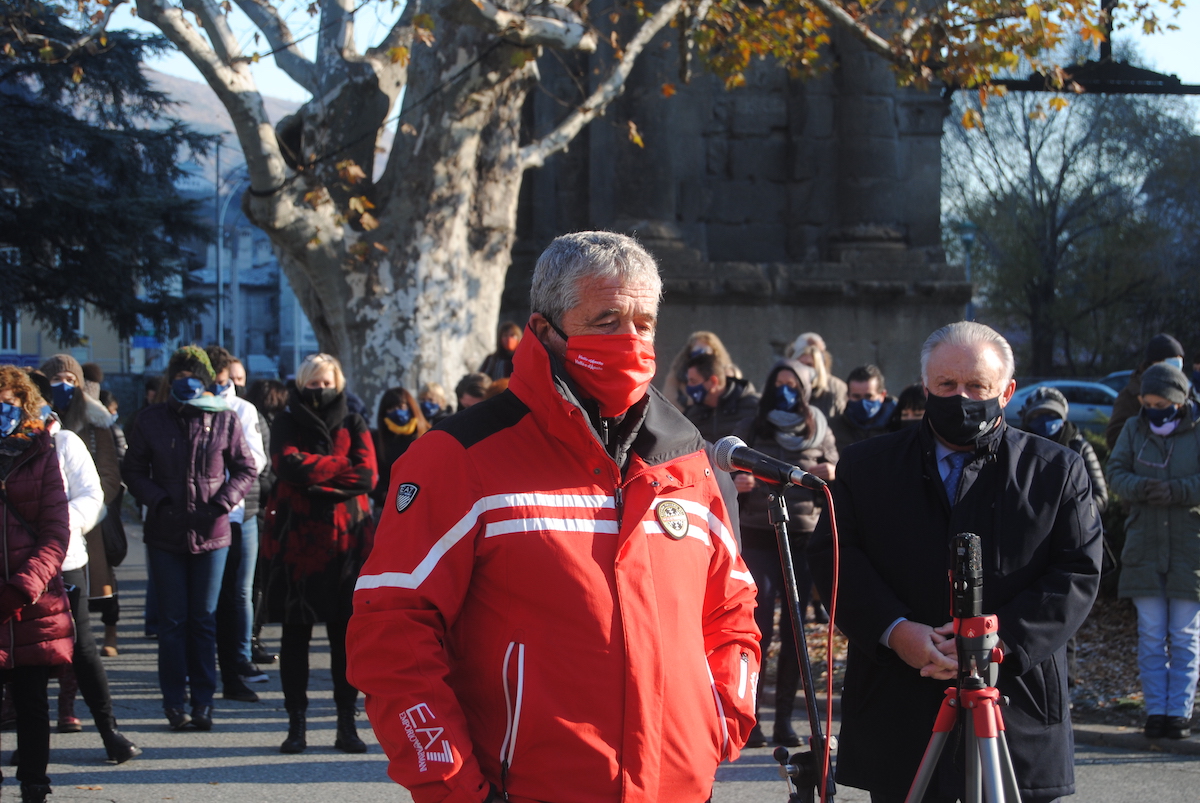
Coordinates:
(10, 333)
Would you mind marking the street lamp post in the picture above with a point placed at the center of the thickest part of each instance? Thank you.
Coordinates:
(966, 234)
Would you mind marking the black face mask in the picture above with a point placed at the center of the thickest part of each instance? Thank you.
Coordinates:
(962, 421)
(318, 398)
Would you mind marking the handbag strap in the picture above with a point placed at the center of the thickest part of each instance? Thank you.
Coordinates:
(17, 513)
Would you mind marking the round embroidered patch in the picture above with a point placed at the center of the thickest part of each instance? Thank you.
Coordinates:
(672, 517)
(405, 495)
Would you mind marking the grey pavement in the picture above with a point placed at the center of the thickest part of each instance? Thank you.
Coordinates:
(239, 760)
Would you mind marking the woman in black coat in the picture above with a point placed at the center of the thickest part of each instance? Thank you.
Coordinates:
(317, 536)
(786, 427)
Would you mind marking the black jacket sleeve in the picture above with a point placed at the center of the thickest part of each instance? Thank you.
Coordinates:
(1039, 620)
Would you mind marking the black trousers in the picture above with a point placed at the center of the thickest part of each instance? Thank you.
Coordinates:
(293, 665)
(33, 721)
(89, 669)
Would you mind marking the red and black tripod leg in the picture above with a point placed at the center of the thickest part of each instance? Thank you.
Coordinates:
(943, 726)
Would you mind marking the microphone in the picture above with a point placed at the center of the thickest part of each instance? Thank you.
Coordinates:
(732, 454)
(966, 576)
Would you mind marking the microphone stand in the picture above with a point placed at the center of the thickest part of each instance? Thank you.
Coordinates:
(803, 772)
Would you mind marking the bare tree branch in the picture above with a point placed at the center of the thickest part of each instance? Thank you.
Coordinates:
(288, 56)
(216, 25)
(874, 42)
(566, 31)
(335, 43)
(234, 86)
(535, 153)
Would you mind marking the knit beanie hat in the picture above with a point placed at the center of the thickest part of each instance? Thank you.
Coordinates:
(63, 362)
(191, 358)
(1044, 400)
(1166, 381)
(1162, 347)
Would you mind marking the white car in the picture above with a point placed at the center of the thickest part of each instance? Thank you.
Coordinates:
(1090, 403)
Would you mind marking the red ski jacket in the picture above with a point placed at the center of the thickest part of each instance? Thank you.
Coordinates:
(535, 618)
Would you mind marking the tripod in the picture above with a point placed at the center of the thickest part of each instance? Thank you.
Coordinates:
(805, 771)
(974, 697)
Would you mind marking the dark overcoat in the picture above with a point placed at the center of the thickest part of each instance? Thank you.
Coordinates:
(1029, 500)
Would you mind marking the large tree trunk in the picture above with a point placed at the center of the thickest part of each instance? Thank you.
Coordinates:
(416, 299)
(400, 274)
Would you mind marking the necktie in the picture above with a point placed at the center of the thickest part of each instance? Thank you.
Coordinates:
(956, 461)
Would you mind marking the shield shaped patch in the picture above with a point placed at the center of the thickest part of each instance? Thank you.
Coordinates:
(405, 495)
(672, 517)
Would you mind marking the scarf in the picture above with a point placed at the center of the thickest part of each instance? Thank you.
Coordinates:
(791, 431)
(401, 429)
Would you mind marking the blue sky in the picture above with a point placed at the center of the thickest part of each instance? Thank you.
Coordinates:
(1172, 52)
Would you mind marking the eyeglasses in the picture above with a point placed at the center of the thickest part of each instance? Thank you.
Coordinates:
(1163, 464)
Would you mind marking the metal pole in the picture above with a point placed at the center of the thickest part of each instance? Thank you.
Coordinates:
(220, 245)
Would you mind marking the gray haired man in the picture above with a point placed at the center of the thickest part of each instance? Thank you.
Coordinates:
(555, 608)
(899, 499)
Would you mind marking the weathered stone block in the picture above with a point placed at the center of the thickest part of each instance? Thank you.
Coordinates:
(872, 114)
(759, 158)
(758, 114)
(716, 156)
(757, 242)
(748, 202)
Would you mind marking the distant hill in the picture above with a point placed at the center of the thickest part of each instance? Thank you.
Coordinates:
(200, 108)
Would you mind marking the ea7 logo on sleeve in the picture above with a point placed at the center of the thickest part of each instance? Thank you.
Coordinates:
(420, 725)
(405, 495)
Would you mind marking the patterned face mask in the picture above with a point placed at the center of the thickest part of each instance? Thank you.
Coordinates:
(10, 417)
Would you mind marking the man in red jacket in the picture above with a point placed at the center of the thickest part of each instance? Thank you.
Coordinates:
(555, 610)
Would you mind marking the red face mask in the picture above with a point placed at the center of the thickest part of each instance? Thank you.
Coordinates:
(615, 370)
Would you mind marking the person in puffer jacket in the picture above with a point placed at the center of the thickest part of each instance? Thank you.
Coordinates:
(555, 608)
(37, 631)
(85, 501)
(189, 464)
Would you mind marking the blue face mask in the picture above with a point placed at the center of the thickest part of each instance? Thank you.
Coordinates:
(187, 388)
(219, 390)
(787, 398)
(401, 415)
(861, 411)
(430, 408)
(1047, 426)
(61, 394)
(1159, 417)
(10, 417)
(696, 393)
(1174, 362)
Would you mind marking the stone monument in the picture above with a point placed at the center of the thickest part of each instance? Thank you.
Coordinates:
(780, 207)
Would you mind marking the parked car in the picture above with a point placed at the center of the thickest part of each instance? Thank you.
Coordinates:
(1117, 380)
(1091, 402)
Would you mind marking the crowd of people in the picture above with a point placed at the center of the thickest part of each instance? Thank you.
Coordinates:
(259, 505)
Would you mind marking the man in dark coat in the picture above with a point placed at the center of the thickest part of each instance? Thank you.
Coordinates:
(899, 499)
(869, 408)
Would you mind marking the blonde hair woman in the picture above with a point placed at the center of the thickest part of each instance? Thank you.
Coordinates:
(314, 538)
(828, 392)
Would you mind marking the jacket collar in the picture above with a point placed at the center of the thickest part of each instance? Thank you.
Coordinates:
(653, 428)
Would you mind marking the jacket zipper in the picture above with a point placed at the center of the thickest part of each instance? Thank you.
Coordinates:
(743, 675)
(509, 745)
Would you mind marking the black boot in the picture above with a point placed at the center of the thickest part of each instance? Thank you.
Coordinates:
(756, 739)
(297, 730)
(34, 792)
(347, 735)
(118, 746)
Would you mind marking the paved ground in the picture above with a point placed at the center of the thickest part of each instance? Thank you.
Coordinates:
(240, 760)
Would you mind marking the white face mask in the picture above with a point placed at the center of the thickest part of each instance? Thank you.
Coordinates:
(1165, 429)
(1174, 362)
